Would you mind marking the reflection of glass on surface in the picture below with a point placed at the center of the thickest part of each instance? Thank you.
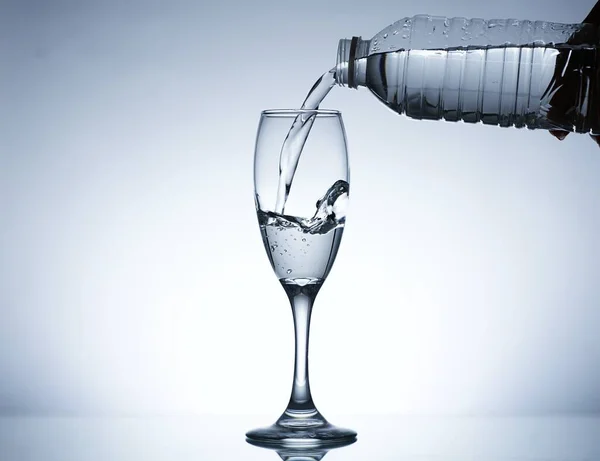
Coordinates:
(302, 454)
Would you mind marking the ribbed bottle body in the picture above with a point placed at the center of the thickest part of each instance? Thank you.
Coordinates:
(500, 72)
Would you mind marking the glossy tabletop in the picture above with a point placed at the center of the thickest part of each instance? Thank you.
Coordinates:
(380, 438)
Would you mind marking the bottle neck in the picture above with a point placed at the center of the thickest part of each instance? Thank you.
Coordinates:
(351, 68)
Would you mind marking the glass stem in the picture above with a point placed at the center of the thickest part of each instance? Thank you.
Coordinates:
(301, 299)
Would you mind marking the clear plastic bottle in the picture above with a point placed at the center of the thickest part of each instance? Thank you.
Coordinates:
(498, 72)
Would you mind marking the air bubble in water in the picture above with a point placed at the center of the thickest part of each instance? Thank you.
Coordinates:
(304, 240)
(289, 271)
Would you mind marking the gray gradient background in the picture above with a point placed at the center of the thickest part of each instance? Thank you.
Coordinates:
(132, 276)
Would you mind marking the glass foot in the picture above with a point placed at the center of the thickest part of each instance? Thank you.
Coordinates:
(307, 432)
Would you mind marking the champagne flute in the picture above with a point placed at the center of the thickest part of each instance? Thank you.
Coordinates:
(301, 223)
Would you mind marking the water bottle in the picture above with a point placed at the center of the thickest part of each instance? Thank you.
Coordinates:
(530, 74)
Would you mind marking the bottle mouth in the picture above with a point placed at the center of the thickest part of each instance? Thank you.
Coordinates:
(350, 67)
(345, 71)
(346, 66)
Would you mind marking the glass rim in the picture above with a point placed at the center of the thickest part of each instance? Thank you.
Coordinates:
(294, 112)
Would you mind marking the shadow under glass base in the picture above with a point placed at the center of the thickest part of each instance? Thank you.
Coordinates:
(292, 431)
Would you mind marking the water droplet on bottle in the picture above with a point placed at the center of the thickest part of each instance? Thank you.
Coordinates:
(289, 271)
(285, 250)
(395, 32)
(304, 240)
(446, 22)
(281, 254)
(385, 36)
(272, 248)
